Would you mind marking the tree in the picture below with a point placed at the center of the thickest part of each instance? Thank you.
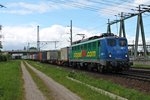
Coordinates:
(32, 48)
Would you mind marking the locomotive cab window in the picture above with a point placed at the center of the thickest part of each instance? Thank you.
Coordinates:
(94, 44)
(89, 46)
(78, 48)
(72, 48)
(82, 47)
(122, 42)
(85, 46)
(111, 42)
(75, 48)
(99, 43)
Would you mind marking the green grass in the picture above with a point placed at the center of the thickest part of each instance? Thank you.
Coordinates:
(141, 66)
(41, 85)
(111, 87)
(11, 81)
(59, 74)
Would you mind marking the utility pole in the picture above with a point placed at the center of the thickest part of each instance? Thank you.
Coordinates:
(70, 32)
(140, 26)
(116, 24)
(0, 37)
(108, 27)
(28, 47)
(38, 39)
(122, 27)
(1, 6)
(55, 44)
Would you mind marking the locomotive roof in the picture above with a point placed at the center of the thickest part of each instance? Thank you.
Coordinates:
(88, 41)
(95, 38)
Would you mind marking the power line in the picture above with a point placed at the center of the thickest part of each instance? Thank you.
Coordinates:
(109, 3)
(107, 7)
(83, 6)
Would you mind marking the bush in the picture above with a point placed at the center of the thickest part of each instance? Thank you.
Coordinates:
(4, 57)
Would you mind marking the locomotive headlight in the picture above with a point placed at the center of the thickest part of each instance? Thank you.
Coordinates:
(126, 55)
(109, 55)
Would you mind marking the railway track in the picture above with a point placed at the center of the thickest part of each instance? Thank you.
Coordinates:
(137, 76)
(140, 70)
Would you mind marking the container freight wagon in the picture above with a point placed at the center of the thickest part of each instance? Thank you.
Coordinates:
(35, 56)
(30, 56)
(40, 56)
(53, 56)
(64, 56)
(44, 56)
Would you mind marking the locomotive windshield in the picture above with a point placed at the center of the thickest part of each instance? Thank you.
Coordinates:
(111, 42)
(122, 42)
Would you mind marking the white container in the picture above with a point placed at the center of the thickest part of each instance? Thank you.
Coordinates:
(64, 56)
(53, 55)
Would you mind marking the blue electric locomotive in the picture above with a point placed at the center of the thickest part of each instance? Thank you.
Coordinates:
(105, 53)
(114, 53)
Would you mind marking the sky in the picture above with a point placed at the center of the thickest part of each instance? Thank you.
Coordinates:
(20, 18)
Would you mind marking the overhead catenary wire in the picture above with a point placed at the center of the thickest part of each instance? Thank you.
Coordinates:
(80, 6)
(67, 3)
(103, 6)
(111, 3)
(95, 6)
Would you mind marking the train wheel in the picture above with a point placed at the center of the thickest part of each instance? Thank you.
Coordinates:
(101, 69)
(89, 67)
(74, 65)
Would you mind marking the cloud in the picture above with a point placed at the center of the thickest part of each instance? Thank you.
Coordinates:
(23, 8)
(141, 1)
(16, 37)
(47, 6)
(28, 8)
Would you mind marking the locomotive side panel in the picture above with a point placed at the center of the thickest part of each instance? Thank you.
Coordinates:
(85, 52)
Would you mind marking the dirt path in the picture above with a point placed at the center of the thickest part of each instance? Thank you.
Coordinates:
(58, 90)
(31, 90)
